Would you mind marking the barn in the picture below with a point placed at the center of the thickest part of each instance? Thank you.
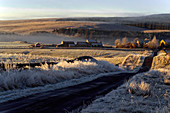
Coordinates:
(37, 45)
(94, 43)
(66, 44)
(82, 44)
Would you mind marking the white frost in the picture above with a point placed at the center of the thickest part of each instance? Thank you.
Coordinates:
(133, 62)
(44, 75)
(144, 93)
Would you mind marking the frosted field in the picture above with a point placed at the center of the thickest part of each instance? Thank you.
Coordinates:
(18, 83)
(71, 53)
(144, 93)
(22, 58)
(43, 75)
(161, 61)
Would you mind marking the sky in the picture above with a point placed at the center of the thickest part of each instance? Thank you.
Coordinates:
(30, 9)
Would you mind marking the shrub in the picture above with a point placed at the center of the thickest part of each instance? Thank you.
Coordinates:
(117, 42)
(153, 44)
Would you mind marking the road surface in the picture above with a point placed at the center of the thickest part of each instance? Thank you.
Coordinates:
(70, 98)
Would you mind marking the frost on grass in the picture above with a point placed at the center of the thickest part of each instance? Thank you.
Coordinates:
(46, 74)
(161, 61)
(133, 62)
(22, 58)
(144, 93)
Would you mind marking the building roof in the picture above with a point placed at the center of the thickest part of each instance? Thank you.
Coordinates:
(91, 41)
(68, 42)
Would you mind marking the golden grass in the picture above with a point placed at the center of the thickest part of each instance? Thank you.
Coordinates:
(162, 61)
(156, 31)
(141, 88)
(112, 56)
(27, 27)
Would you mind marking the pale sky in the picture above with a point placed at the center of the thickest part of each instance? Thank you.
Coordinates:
(28, 9)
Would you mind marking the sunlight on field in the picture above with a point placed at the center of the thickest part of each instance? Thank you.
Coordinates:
(30, 26)
(72, 53)
(161, 61)
(14, 45)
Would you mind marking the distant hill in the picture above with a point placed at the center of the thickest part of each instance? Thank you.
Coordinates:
(161, 18)
(92, 27)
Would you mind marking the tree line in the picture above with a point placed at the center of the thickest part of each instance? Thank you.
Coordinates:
(152, 25)
(97, 33)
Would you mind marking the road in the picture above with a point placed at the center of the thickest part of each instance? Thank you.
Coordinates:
(70, 98)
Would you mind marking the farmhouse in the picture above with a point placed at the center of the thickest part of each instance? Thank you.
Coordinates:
(94, 43)
(82, 44)
(66, 44)
(88, 43)
(162, 43)
(165, 43)
(37, 45)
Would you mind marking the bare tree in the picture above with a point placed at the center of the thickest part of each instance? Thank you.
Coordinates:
(153, 44)
(124, 41)
(117, 42)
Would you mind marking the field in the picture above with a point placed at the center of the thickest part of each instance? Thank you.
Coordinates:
(149, 90)
(21, 83)
(26, 27)
(145, 93)
(112, 56)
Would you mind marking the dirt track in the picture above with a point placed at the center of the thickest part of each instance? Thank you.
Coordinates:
(70, 98)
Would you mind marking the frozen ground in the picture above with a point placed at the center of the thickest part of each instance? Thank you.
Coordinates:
(22, 58)
(40, 76)
(71, 53)
(16, 84)
(133, 62)
(144, 93)
(161, 61)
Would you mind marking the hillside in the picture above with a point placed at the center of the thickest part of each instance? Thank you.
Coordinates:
(161, 18)
(93, 27)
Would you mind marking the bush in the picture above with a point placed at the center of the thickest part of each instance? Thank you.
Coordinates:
(117, 43)
(153, 44)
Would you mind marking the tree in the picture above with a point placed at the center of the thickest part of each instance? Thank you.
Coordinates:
(124, 41)
(117, 43)
(153, 44)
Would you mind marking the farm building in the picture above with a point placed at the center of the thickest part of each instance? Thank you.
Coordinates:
(37, 45)
(137, 44)
(94, 43)
(82, 44)
(66, 44)
(91, 41)
(88, 43)
(164, 43)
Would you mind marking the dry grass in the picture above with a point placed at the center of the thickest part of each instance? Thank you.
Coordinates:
(26, 27)
(156, 31)
(71, 53)
(112, 56)
(141, 88)
(161, 61)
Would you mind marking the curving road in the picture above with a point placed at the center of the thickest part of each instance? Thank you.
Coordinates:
(70, 98)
